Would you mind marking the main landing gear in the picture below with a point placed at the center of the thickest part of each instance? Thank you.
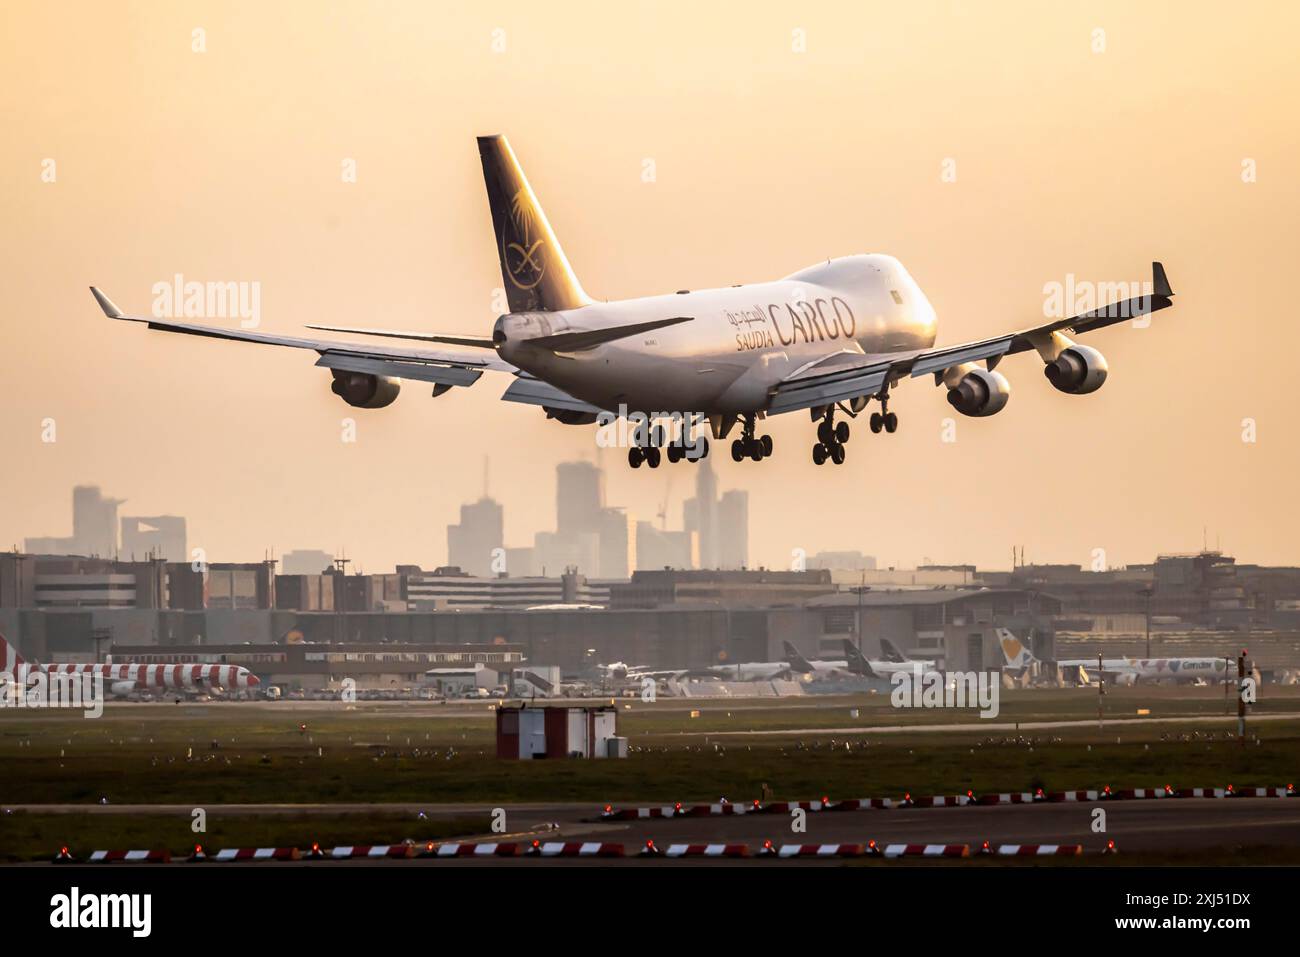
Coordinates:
(884, 419)
(832, 436)
(748, 446)
(652, 445)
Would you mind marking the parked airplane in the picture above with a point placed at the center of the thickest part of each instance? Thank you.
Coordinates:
(120, 679)
(893, 661)
(1124, 671)
(827, 339)
(854, 663)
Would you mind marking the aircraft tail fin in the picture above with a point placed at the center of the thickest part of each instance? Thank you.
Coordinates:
(889, 652)
(796, 660)
(538, 277)
(1016, 653)
(857, 664)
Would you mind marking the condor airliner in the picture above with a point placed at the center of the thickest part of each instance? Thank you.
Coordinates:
(1125, 671)
(829, 339)
(124, 679)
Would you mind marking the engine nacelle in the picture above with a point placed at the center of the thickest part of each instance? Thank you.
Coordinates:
(1078, 370)
(363, 390)
(980, 392)
(570, 416)
(122, 688)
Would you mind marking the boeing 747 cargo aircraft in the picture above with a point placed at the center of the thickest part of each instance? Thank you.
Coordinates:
(829, 339)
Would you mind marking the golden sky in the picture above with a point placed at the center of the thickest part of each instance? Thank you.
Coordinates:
(226, 165)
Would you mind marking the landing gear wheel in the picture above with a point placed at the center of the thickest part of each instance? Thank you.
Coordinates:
(826, 432)
(652, 457)
(819, 454)
(877, 422)
(842, 432)
(634, 456)
(700, 451)
(891, 422)
(675, 453)
(755, 450)
(837, 454)
(737, 450)
(766, 442)
(657, 436)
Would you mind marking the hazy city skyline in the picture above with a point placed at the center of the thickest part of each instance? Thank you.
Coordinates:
(226, 167)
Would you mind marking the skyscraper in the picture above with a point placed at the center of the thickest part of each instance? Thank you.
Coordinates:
(733, 529)
(473, 544)
(579, 497)
(700, 514)
(94, 527)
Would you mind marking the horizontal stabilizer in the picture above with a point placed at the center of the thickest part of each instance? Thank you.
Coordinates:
(577, 341)
(532, 391)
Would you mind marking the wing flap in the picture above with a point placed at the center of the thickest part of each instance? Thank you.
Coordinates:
(796, 394)
(415, 371)
(474, 342)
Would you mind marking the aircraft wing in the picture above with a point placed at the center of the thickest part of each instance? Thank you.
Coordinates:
(847, 375)
(936, 361)
(444, 367)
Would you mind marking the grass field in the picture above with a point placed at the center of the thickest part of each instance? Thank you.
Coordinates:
(231, 753)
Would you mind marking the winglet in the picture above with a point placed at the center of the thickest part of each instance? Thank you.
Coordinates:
(106, 304)
(1159, 281)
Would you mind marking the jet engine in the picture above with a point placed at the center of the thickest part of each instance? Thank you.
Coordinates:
(1078, 370)
(122, 688)
(980, 392)
(570, 416)
(363, 390)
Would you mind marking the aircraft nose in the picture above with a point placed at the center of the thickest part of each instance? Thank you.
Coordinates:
(253, 680)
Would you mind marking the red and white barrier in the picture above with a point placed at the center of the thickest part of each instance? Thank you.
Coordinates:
(474, 850)
(371, 851)
(1264, 792)
(1074, 796)
(943, 800)
(576, 849)
(706, 850)
(638, 813)
(131, 857)
(256, 854)
(1035, 850)
(711, 810)
(1020, 797)
(785, 807)
(815, 850)
(862, 804)
(1138, 794)
(926, 850)
(1203, 793)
